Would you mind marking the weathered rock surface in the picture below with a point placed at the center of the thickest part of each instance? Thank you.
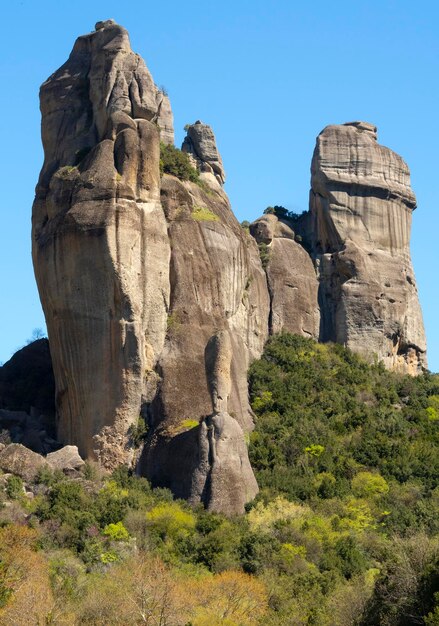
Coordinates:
(200, 144)
(18, 460)
(100, 245)
(217, 323)
(135, 291)
(291, 278)
(66, 459)
(361, 210)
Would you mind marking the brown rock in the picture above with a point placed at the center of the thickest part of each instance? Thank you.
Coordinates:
(361, 205)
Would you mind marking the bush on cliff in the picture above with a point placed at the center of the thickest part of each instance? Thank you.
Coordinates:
(175, 162)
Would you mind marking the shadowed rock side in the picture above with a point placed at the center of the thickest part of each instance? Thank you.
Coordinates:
(361, 209)
(217, 323)
(291, 278)
(100, 245)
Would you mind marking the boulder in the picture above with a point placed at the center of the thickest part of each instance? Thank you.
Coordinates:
(66, 459)
(18, 460)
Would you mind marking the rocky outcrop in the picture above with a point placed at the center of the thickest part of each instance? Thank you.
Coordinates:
(200, 144)
(156, 299)
(66, 460)
(26, 380)
(100, 245)
(137, 276)
(291, 278)
(217, 323)
(361, 211)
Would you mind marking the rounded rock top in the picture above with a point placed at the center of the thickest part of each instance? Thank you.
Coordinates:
(104, 24)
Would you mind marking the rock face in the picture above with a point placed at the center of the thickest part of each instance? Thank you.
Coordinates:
(200, 144)
(156, 299)
(291, 278)
(154, 296)
(361, 210)
(100, 246)
(217, 322)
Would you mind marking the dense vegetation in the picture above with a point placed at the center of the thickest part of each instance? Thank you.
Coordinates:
(344, 531)
(357, 449)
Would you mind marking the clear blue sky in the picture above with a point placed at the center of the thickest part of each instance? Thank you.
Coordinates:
(267, 76)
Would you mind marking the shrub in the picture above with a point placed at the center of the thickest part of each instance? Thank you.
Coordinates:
(366, 484)
(264, 254)
(14, 487)
(170, 521)
(175, 162)
(138, 432)
(116, 532)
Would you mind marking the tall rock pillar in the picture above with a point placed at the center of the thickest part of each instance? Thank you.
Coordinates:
(361, 207)
(100, 246)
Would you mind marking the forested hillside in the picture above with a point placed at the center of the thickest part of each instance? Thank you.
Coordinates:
(344, 531)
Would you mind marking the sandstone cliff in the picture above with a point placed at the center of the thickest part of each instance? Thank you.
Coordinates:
(291, 278)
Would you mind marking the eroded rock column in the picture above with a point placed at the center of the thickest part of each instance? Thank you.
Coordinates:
(361, 209)
(100, 246)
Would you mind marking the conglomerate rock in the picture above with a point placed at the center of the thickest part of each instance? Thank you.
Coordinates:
(361, 210)
(217, 323)
(100, 245)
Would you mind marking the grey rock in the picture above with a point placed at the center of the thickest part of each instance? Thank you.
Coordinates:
(200, 144)
(66, 459)
(291, 278)
(224, 476)
(218, 324)
(100, 245)
(18, 460)
(361, 206)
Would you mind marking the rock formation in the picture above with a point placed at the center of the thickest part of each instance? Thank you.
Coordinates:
(361, 209)
(200, 144)
(156, 299)
(291, 278)
(137, 275)
(100, 246)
